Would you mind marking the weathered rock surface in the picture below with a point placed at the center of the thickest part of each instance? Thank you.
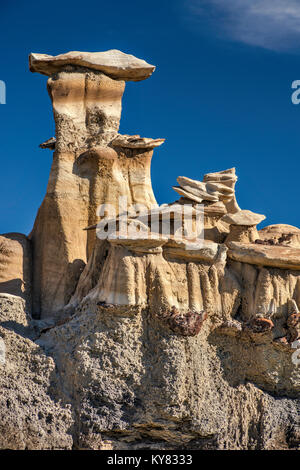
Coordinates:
(14, 315)
(243, 226)
(227, 178)
(263, 255)
(196, 187)
(16, 266)
(48, 144)
(281, 234)
(189, 195)
(243, 217)
(114, 63)
(135, 141)
(33, 414)
(133, 383)
(215, 187)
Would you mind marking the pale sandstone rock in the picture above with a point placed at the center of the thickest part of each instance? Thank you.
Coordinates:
(214, 230)
(216, 209)
(242, 234)
(196, 187)
(127, 279)
(16, 266)
(222, 190)
(229, 179)
(112, 175)
(243, 217)
(267, 290)
(281, 234)
(48, 144)
(188, 194)
(161, 222)
(263, 255)
(209, 191)
(215, 187)
(87, 109)
(114, 63)
(243, 226)
(206, 251)
(139, 244)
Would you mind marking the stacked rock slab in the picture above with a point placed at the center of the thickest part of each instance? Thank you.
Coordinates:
(204, 191)
(228, 179)
(216, 193)
(86, 92)
(217, 186)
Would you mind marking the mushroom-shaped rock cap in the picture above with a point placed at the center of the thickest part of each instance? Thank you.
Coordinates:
(114, 63)
(243, 217)
(135, 142)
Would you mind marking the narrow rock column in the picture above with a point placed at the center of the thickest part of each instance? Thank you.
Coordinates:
(87, 109)
(100, 165)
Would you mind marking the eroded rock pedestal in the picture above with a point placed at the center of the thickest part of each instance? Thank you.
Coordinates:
(149, 340)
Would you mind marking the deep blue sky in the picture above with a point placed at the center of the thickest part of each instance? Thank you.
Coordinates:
(219, 97)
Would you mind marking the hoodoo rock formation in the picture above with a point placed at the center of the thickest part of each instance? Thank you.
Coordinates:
(128, 325)
(92, 165)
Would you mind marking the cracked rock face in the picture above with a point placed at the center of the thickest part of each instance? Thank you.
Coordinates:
(126, 380)
(180, 334)
(114, 63)
(33, 413)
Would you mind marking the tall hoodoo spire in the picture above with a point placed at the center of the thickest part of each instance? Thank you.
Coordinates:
(92, 164)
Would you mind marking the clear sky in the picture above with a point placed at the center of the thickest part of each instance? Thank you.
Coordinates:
(221, 94)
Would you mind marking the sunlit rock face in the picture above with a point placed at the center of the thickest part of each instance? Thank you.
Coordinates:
(161, 327)
(113, 63)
